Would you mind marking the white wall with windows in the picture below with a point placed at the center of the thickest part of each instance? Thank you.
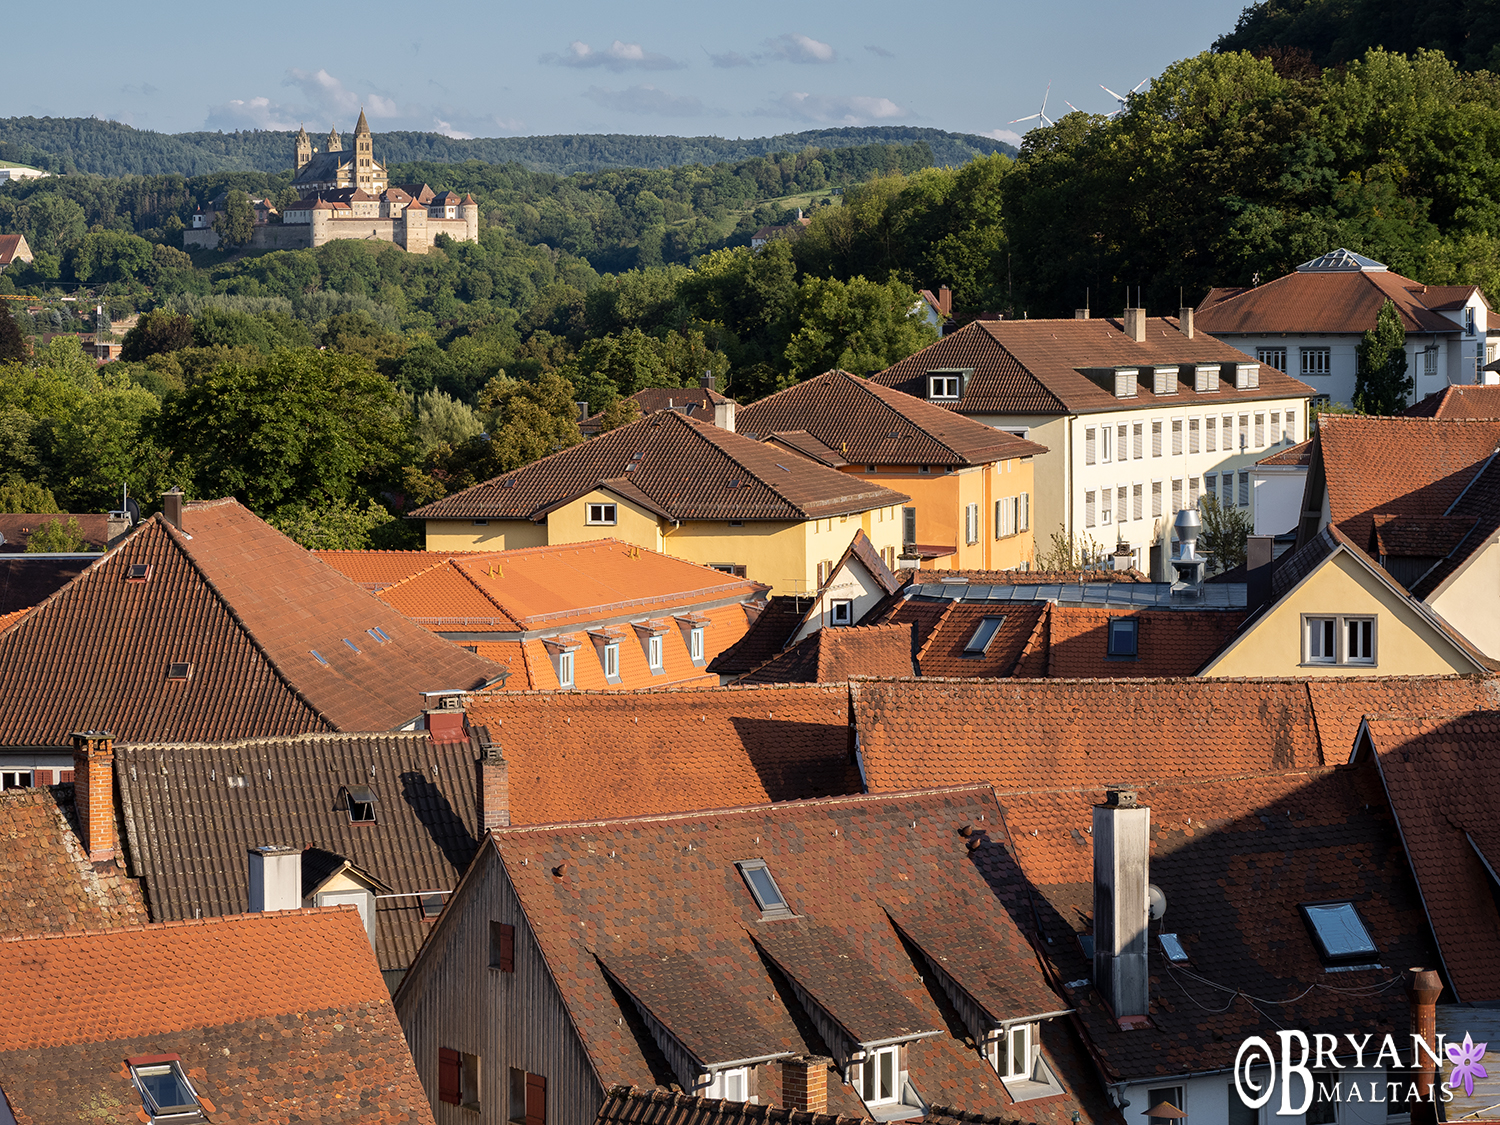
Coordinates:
(1212, 1100)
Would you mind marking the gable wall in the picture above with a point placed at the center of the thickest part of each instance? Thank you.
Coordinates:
(569, 524)
(491, 535)
(1471, 602)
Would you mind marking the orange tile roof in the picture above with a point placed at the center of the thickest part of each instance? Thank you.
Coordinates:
(1293, 455)
(1168, 642)
(946, 637)
(375, 570)
(585, 755)
(1458, 402)
(831, 654)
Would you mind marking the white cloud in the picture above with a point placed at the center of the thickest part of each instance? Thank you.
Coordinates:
(730, 59)
(799, 49)
(447, 130)
(1009, 136)
(251, 113)
(324, 98)
(647, 100)
(828, 109)
(881, 51)
(618, 56)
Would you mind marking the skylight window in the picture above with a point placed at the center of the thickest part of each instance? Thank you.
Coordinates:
(318, 656)
(432, 905)
(1124, 639)
(138, 572)
(164, 1087)
(360, 801)
(763, 887)
(181, 670)
(351, 644)
(984, 636)
(378, 634)
(1340, 932)
(1173, 948)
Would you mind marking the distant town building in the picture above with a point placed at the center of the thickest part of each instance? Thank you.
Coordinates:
(20, 172)
(13, 248)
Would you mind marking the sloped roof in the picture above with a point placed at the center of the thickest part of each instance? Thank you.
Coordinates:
(870, 423)
(375, 570)
(1478, 509)
(767, 635)
(1298, 455)
(10, 244)
(943, 638)
(1168, 642)
(1032, 367)
(1458, 402)
(1236, 859)
(838, 862)
(631, 1105)
(1323, 300)
(322, 168)
(189, 822)
(28, 580)
(248, 609)
(1022, 734)
(581, 755)
(283, 1009)
(835, 653)
(697, 401)
(1440, 775)
(16, 530)
(692, 470)
(50, 886)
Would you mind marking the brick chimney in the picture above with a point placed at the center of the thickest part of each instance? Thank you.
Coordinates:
(945, 302)
(494, 789)
(444, 716)
(1426, 987)
(804, 1083)
(1134, 322)
(94, 792)
(171, 507)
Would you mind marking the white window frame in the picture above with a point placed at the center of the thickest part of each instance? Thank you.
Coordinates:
(654, 652)
(1008, 1037)
(695, 643)
(869, 1076)
(971, 524)
(141, 1070)
(1106, 506)
(1090, 445)
(1271, 357)
(945, 387)
(603, 515)
(1341, 624)
(565, 676)
(721, 1081)
(1106, 444)
(1316, 361)
(841, 611)
(612, 660)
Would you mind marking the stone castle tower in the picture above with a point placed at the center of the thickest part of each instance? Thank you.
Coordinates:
(334, 144)
(304, 148)
(364, 161)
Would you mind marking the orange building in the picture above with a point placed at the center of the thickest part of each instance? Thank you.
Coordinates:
(595, 615)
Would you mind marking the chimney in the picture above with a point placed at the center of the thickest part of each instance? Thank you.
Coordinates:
(1185, 322)
(724, 414)
(275, 878)
(1134, 323)
(171, 507)
(1122, 839)
(708, 381)
(444, 717)
(804, 1083)
(1188, 564)
(494, 789)
(945, 302)
(1080, 314)
(94, 792)
(1426, 987)
(1259, 551)
(1123, 558)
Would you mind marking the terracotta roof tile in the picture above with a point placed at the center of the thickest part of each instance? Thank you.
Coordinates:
(631, 1105)
(374, 570)
(1032, 366)
(767, 635)
(832, 653)
(28, 580)
(1293, 455)
(942, 650)
(244, 606)
(306, 1037)
(1168, 643)
(1303, 302)
(578, 755)
(1458, 402)
(691, 469)
(870, 423)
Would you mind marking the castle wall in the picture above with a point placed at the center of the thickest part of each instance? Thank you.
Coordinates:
(205, 238)
(280, 236)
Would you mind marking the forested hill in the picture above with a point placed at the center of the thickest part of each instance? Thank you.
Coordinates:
(1335, 32)
(87, 144)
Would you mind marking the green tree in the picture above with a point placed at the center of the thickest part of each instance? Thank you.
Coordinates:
(527, 421)
(300, 428)
(859, 326)
(1225, 529)
(110, 255)
(19, 496)
(57, 537)
(620, 412)
(155, 333)
(439, 419)
(1381, 384)
(236, 223)
(53, 223)
(12, 343)
(338, 525)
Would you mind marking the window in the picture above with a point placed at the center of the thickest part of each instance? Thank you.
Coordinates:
(1015, 1057)
(1137, 450)
(731, 1085)
(1156, 439)
(138, 572)
(602, 513)
(16, 779)
(432, 905)
(1244, 488)
(1211, 485)
(360, 802)
(612, 661)
(180, 671)
(1324, 1109)
(1359, 640)
(1239, 1112)
(1122, 439)
(825, 568)
(1105, 443)
(1136, 495)
(1172, 1095)
(565, 669)
(971, 524)
(984, 636)
(1105, 513)
(1469, 327)
(654, 652)
(480, 523)
(1123, 637)
(1176, 437)
(878, 1076)
(943, 386)
(1192, 492)
(1023, 512)
(1121, 511)
(695, 644)
(763, 887)
(1210, 434)
(841, 611)
(1291, 426)
(908, 526)
(1005, 517)
(1088, 508)
(1193, 443)
(1260, 431)
(528, 1098)
(1244, 431)
(1227, 496)
(1315, 361)
(1155, 498)
(503, 947)
(888, 556)
(1338, 640)
(164, 1087)
(1176, 494)
(1090, 444)
(736, 569)
(1271, 357)
(1172, 948)
(1429, 361)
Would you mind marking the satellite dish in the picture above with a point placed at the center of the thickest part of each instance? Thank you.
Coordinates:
(1156, 901)
(134, 509)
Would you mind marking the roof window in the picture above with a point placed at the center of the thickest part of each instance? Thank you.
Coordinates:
(181, 670)
(1172, 948)
(763, 887)
(318, 656)
(379, 635)
(432, 904)
(360, 801)
(1339, 932)
(164, 1087)
(138, 572)
(351, 644)
(984, 636)
(1123, 637)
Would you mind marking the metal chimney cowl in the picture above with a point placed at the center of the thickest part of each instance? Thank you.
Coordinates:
(1122, 839)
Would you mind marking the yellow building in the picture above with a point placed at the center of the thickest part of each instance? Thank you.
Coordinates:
(683, 487)
(970, 485)
(1335, 612)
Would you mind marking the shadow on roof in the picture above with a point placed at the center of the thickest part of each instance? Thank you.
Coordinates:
(784, 775)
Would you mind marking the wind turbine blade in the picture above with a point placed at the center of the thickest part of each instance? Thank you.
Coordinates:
(1045, 96)
(1018, 120)
(1070, 105)
(1111, 93)
(1139, 84)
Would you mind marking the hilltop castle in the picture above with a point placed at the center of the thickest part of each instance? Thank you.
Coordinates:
(347, 194)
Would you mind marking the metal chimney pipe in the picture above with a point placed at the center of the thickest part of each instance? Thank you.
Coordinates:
(1122, 840)
(1426, 987)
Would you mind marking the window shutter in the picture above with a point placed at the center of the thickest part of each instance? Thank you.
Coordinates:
(1023, 519)
(1176, 437)
(1192, 435)
(1210, 434)
(507, 949)
(1291, 426)
(1088, 509)
(450, 1076)
(1122, 509)
(1156, 439)
(536, 1099)
(1089, 444)
(1137, 442)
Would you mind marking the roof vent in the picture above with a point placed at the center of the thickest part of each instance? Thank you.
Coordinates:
(1121, 797)
(1188, 564)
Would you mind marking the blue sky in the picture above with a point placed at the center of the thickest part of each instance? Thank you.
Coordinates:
(659, 66)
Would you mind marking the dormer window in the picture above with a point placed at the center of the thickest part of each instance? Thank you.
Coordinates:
(879, 1076)
(359, 800)
(1014, 1056)
(945, 385)
(842, 611)
(763, 888)
(1123, 638)
(611, 656)
(1172, 947)
(1340, 933)
(695, 644)
(984, 636)
(732, 1085)
(165, 1089)
(654, 653)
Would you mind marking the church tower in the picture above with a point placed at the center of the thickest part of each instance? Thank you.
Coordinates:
(304, 148)
(364, 161)
(334, 144)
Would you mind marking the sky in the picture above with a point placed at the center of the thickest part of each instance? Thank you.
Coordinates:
(573, 66)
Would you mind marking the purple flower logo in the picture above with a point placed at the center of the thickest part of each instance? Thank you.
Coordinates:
(1467, 1064)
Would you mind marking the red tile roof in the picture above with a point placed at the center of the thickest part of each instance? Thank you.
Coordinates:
(1458, 402)
(1022, 734)
(631, 1105)
(770, 630)
(1032, 366)
(696, 401)
(944, 639)
(49, 885)
(9, 244)
(1168, 643)
(1440, 775)
(16, 530)
(582, 755)
(688, 469)
(375, 570)
(1294, 455)
(870, 423)
(1324, 302)
(248, 609)
(313, 1035)
(1235, 859)
(833, 653)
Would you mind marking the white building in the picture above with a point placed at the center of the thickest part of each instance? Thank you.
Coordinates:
(1276, 486)
(1310, 323)
(20, 172)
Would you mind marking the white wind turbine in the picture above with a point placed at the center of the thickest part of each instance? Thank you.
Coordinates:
(1121, 98)
(1042, 114)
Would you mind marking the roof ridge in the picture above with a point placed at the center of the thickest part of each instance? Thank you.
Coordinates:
(170, 924)
(1321, 769)
(701, 429)
(442, 558)
(937, 627)
(271, 739)
(868, 386)
(1041, 633)
(483, 593)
